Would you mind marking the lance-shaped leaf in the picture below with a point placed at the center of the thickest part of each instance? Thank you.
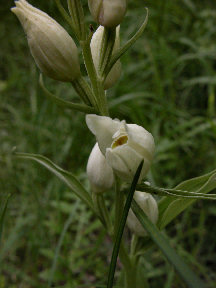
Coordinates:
(63, 103)
(120, 52)
(183, 270)
(69, 179)
(170, 208)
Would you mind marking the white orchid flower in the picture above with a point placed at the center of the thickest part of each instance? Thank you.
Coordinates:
(123, 145)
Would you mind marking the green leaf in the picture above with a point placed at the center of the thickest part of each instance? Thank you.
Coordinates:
(63, 175)
(162, 242)
(121, 227)
(126, 46)
(177, 193)
(65, 104)
(65, 15)
(169, 208)
(193, 184)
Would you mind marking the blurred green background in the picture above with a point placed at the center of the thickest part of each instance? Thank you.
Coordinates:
(168, 87)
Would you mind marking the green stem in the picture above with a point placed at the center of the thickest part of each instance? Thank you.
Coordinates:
(63, 103)
(100, 207)
(125, 259)
(131, 278)
(134, 243)
(84, 91)
(97, 83)
(119, 204)
(99, 202)
(80, 91)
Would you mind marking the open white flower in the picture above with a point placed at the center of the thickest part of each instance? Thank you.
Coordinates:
(149, 205)
(100, 174)
(108, 13)
(54, 51)
(96, 44)
(123, 145)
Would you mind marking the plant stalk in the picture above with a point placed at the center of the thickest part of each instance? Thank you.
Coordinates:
(97, 82)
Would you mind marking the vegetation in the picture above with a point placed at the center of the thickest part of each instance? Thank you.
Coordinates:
(168, 87)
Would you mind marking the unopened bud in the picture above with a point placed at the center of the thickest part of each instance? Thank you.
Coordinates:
(54, 51)
(108, 13)
(100, 174)
(96, 45)
(149, 205)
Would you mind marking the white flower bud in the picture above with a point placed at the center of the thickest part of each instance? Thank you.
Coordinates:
(108, 13)
(96, 44)
(123, 145)
(149, 205)
(54, 51)
(99, 173)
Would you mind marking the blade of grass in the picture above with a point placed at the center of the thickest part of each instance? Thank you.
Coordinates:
(190, 279)
(3, 215)
(121, 227)
(59, 245)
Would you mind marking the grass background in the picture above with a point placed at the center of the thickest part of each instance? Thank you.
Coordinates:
(167, 86)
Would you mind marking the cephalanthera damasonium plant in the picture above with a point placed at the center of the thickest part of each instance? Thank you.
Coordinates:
(123, 153)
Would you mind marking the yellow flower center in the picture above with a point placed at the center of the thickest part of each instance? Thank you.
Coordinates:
(120, 141)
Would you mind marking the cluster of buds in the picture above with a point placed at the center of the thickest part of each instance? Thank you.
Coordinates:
(52, 48)
(120, 147)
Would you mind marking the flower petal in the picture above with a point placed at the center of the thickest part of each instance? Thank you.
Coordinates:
(141, 140)
(100, 174)
(125, 161)
(103, 128)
